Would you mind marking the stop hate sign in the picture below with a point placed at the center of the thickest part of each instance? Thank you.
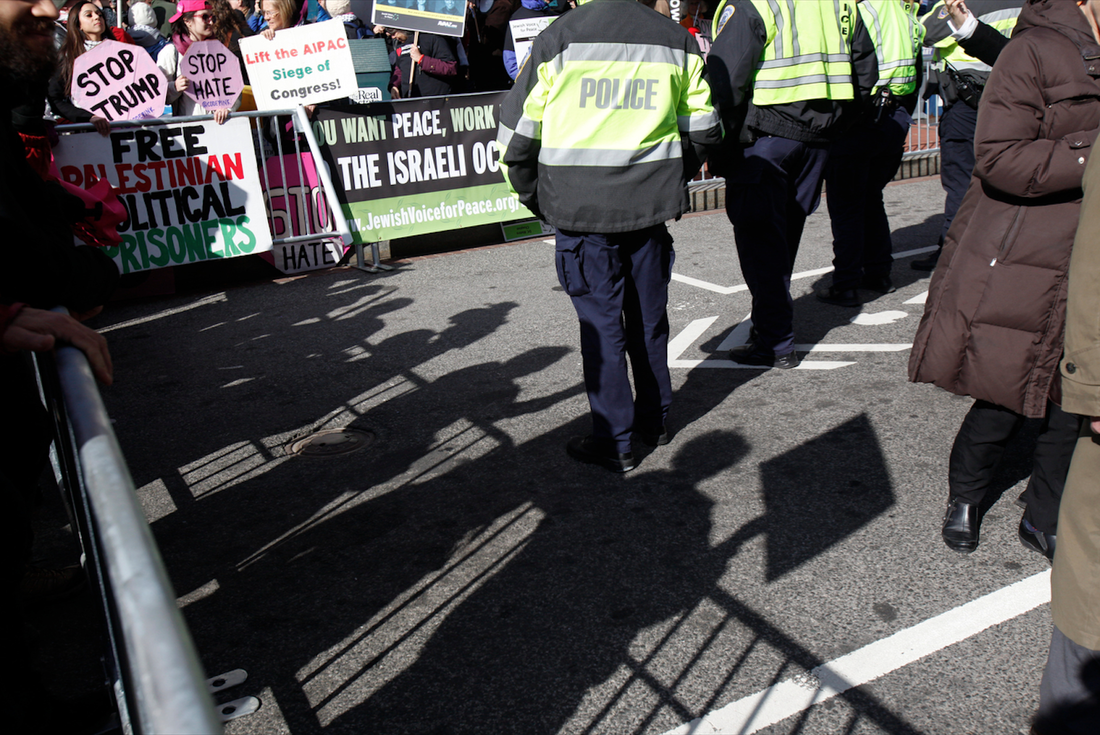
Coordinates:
(214, 73)
(119, 81)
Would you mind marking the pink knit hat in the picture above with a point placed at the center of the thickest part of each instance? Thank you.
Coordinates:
(187, 6)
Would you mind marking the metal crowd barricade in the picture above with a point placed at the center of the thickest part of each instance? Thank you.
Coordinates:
(151, 660)
(297, 212)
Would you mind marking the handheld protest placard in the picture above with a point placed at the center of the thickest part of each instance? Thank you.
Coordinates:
(215, 75)
(119, 81)
(300, 66)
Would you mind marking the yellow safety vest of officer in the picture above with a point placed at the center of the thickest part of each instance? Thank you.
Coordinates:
(594, 135)
(898, 37)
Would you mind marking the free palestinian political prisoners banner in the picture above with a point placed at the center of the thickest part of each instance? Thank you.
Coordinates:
(442, 17)
(191, 191)
(411, 167)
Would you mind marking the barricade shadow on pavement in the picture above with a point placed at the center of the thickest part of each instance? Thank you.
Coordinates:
(450, 578)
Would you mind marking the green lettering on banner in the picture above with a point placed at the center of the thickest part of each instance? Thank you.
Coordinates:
(193, 239)
(128, 254)
(250, 244)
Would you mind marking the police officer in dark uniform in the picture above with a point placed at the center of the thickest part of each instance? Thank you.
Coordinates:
(866, 158)
(609, 119)
(786, 77)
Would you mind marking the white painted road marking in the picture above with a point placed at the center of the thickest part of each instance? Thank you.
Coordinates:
(726, 290)
(918, 299)
(791, 696)
(879, 317)
(739, 335)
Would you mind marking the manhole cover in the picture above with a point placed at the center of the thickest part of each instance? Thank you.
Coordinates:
(331, 443)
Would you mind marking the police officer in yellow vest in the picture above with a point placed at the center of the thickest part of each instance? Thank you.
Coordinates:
(866, 158)
(609, 118)
(960, 78)
(787, 78)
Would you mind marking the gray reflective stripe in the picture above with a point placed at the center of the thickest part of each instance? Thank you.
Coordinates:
(697, 122)
(897, 64)
(504, 137)
(627, 52)
(807, 59)
(780, 22)
(811, 79)
(664, 151)
(878, 34)
(839, 25)
(796, 49)
(529, 128)
(996, 15)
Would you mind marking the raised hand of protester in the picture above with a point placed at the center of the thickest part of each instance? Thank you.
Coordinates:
(38, 331)
(414, 53)
(221, 115)
(182, 83)
(958, 11)
(267, 33)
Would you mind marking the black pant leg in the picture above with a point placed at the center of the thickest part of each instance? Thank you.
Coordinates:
(982, 438)
(1050, 466)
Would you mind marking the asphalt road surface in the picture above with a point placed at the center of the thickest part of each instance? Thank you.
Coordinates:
(777, 568)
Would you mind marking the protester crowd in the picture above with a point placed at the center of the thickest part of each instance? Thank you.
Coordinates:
(778, 98)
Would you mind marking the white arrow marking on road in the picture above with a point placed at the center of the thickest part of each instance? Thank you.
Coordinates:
(918, 299)
(877, 318)
(684, 339)
(780, 701)
(726, 290)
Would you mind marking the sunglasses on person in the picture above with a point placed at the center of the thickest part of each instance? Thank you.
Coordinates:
(205, 17)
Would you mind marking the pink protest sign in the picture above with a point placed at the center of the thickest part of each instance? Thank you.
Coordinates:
(214, 73)
(119, 81)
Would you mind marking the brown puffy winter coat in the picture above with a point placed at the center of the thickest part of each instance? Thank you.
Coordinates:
(993, 321)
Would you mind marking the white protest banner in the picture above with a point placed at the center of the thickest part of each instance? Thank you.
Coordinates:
(119, 81)
(524, 32)
(192, 191)
(300, 66)
(215, 75)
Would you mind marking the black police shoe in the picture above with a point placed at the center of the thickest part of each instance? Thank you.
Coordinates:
(657, 438)
(753, 354)
(1034, 539)
(960, 526)
(839, 296)
(590, 450)
(879, 284)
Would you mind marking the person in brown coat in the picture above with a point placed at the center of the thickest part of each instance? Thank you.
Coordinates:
(1069, 700)
(993, 321)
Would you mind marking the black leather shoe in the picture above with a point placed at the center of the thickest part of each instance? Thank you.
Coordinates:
(839, 296)
(878, 284)
(590, 450)
(655, 439)
(1036, 540)
(960, 526)
(929, 263)
(753, 354)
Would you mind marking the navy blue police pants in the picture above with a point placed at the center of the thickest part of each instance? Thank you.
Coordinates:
(861, 164)
(957, 126)
(619, 286)
(768, 199)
